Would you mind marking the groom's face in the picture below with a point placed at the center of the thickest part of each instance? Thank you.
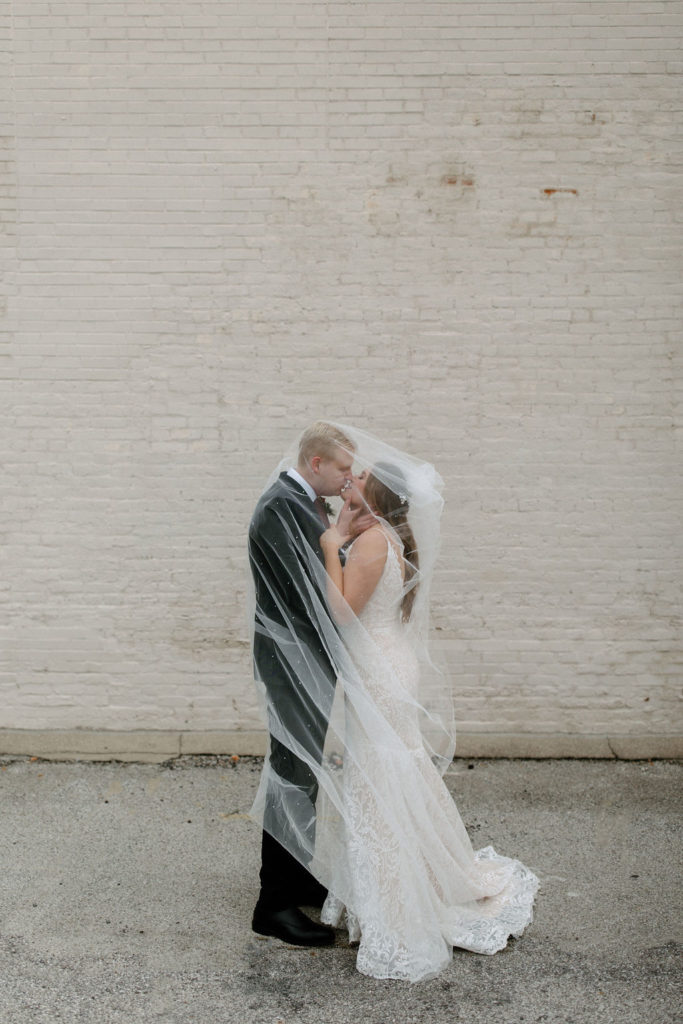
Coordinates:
(331, 474)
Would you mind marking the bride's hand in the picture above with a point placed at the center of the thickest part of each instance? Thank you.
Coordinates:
(347, 519)
(338, 533)
(332, 539)
(350, 523)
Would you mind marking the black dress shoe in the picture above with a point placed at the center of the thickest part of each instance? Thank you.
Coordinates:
(292, 926)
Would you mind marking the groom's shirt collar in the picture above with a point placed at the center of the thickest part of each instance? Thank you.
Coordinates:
(303, 483)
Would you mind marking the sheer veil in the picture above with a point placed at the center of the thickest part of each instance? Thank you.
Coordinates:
(313, 657)
(360, 720)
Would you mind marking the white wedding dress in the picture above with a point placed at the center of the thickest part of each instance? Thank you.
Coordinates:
(414, 886)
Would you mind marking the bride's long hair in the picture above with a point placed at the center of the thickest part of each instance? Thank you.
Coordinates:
(393, 507)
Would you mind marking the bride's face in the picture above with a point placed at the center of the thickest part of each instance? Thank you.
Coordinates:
(356, 489)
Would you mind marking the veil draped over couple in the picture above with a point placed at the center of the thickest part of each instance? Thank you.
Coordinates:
(356, 818)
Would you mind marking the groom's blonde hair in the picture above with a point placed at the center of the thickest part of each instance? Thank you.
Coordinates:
(322, 439)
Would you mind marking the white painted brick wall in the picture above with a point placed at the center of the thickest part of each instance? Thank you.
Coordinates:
(458, 224)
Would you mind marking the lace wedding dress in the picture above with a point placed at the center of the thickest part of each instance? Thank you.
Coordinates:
(414, 886)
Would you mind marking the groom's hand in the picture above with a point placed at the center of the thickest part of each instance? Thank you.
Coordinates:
(362, 521)
(352, 522)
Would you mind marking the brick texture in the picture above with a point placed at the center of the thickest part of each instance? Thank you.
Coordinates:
(457, 224)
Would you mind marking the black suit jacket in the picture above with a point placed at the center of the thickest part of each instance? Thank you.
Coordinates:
(284, 554)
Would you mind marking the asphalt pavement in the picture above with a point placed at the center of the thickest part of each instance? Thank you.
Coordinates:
(126, 893)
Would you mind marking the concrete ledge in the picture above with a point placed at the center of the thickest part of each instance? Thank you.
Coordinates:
(149, 745)
(522, 744)
(637, 748)
(154, 746)
(223, 743)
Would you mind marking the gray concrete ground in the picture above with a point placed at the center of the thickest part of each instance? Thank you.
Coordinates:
(127, 892)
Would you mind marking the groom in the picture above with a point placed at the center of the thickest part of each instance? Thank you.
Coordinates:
(291, 659)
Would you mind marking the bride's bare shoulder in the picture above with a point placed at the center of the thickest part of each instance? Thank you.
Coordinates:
(370, 545)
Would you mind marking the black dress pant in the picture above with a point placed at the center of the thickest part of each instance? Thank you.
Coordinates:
(284, 881)
(289, 811)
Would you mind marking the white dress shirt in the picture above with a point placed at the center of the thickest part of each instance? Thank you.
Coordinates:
(295, 475)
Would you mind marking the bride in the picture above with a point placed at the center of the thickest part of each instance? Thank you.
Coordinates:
(386, 841)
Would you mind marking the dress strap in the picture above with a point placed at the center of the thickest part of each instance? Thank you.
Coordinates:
(392, 549)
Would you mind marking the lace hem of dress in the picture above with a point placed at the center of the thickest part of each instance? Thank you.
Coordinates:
(484, 926)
